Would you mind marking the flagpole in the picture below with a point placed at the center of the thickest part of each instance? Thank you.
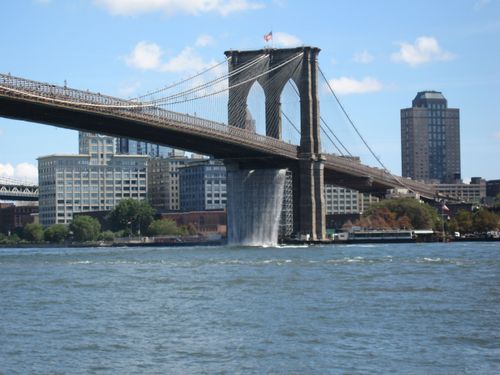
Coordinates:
(443, 209)
(442, 221)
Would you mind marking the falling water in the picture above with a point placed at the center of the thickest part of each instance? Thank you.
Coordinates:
(254, 206)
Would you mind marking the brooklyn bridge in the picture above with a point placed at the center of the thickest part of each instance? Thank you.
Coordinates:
(235, 141)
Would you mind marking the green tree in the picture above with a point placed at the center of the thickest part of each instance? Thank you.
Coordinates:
(418, 215)
(9, 240)
(33, 232)
(463, 220)
(56, 233)
(484, 221)
(107, 235)
(132, 215)
(163, 227)
(85, 228)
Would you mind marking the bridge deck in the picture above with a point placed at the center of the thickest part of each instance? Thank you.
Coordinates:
(28, 100)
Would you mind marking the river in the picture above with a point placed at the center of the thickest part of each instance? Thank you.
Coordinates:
(342, 309)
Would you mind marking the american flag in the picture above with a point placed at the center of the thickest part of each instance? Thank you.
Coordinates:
(268, 36)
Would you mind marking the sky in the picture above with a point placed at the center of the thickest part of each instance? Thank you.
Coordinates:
(375, 54)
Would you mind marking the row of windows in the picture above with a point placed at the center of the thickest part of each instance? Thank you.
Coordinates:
(95, 183)
(102, 174)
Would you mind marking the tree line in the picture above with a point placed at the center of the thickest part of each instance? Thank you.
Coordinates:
(409, 213)
(129, 218)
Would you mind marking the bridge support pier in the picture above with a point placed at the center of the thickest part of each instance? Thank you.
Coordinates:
(309, 204)
(308, 171)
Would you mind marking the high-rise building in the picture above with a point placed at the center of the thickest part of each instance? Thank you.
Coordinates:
(94, 180)
(430, 139)
(125, 146)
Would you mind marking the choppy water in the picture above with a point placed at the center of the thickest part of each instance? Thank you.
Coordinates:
(369, 309)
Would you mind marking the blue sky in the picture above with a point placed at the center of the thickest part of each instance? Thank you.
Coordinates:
(376, 54)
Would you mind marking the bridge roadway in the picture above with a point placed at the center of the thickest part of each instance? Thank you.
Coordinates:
(27, 100)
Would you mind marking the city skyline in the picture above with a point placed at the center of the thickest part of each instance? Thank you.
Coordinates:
(376, 71)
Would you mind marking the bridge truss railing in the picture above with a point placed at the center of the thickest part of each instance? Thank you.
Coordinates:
(86, 100)
(348, 166)
(9, 192)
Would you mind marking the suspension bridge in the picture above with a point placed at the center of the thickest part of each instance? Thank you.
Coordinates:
(229, 133)
(16, 190)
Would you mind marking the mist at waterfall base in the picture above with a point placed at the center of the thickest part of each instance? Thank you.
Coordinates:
(254, 204)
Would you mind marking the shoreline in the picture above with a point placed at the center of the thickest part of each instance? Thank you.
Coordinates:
(223, 242)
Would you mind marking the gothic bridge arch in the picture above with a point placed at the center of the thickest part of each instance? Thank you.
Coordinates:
(308, 176)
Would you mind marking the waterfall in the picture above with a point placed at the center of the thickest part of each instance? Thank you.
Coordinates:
(254, 206)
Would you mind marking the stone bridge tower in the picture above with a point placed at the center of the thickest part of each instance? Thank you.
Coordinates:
(308, 171)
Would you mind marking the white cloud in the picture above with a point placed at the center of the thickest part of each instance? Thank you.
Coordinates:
(145, 56)
(479, 4)
(6, 170)
(204, 40)
(170, 7)
(26, 171)
(129, 88)
(186, 61)
(363, 57)
(22, 171)
(347, 85)
(286, 40)
(425, 49)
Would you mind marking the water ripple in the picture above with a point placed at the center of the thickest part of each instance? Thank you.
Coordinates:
(369, 309)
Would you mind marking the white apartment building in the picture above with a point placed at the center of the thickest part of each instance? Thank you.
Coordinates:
(94, 180)
(339, 200)
(474, 192)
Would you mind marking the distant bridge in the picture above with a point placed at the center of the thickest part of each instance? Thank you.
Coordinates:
(16, 190)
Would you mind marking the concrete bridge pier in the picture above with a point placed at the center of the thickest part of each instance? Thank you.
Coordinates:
(308, 193)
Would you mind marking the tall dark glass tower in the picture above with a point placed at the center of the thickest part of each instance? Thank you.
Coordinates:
(430, 139)
(127, 146)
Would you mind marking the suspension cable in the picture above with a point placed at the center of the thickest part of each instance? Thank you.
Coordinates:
(137, 105)
(330, 129)
(338, 140)
(290, 121)
(147, 104)
(396, 178)
(351, 122)
(210, 83)
(237, 84)
(181, 81)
